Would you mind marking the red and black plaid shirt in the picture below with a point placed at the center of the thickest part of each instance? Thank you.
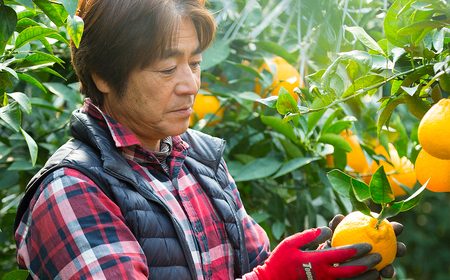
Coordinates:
(72, 230)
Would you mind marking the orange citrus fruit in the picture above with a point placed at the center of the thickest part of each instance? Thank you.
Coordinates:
(286, 76)
(437, 169)
(355, 159)
(205, 104)
(434, 132)
(357, 227)
(402, 170)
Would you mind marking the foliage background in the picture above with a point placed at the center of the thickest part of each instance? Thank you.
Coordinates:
(280, 167)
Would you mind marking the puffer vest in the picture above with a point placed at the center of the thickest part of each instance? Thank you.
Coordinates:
(92, 152)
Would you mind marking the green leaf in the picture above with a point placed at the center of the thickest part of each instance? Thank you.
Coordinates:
(361, 84)
(352, 70)
(70, 6)
(278, 229)
(9, 179)
(331, 118)
(8, 23)
(339, 126)
(282, 127)
(31, 80)
(362, 35)
(412, 201)
(21, 165)
(380, 190)
(314, 118)
(22, 99)
(5, 81)
(286, 103)
(260, 217)
(277, 207)
(27, 3)
(387, 112)
(294, 164)
(340, 182)
(75, 27)
(257, 169)
(11, 115)
(394, 22)
(44, 104)
(389, 211)
(419, 26)
(32, 146)
(33, 33)
(358, 203)
(215, 54)
(54, 11)
(361, 189)
(16, 275)
(39, 58)
(335, 140)
(363, 59)
(270, 101)
(329, 73)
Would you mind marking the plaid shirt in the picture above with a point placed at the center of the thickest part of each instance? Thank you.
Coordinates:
(72, 230)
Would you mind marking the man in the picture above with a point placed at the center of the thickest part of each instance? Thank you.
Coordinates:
(135, 194)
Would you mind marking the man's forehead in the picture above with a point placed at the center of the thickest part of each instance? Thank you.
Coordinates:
(178, 52)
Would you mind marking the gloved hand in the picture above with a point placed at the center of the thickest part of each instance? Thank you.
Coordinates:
(290, 260)
(388, 271)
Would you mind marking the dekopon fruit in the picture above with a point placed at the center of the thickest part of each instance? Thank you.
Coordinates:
(355, 159)
(435, 169)
(357, 227)
(205, 104)
(434, 130)
(401, 171)
(286, 76)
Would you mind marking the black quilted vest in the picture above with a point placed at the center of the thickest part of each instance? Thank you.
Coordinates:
(92, 151)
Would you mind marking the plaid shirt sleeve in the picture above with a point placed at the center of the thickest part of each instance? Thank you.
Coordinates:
(72, 230)
(256, 239)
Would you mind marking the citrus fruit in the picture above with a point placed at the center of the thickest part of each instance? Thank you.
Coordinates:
(401, 170)
(357, 227)
(437, 169)
(434, 132)
(205, 104)
(286, 76)
(355, 159)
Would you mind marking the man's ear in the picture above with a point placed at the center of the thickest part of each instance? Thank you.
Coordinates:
(101, 84)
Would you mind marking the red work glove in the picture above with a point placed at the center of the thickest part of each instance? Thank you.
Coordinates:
(290, 261)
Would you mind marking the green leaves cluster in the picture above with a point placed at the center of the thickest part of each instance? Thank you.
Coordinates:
(378, 191)
(26, 47)
(413, 59)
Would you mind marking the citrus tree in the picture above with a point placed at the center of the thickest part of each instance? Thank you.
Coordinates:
(357, 76)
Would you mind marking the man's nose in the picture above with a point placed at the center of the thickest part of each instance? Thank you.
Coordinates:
(189, 81)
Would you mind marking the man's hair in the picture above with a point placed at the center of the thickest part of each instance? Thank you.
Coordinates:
(121, 36)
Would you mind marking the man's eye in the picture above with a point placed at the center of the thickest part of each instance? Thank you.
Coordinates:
(195, 65)
(169, 71)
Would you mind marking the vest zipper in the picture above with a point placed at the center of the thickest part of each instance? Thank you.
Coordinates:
(180, 234)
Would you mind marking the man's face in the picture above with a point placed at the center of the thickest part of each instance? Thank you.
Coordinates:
(158, 100)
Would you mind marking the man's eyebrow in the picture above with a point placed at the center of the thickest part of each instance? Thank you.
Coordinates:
(177, 52)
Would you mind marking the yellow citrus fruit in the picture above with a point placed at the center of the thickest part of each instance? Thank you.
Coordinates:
(355, 159)
(357, 227)
(330, 161)
(434, 132)
(286, 76)
(205, 104)
(402, 170)
(437, 169)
